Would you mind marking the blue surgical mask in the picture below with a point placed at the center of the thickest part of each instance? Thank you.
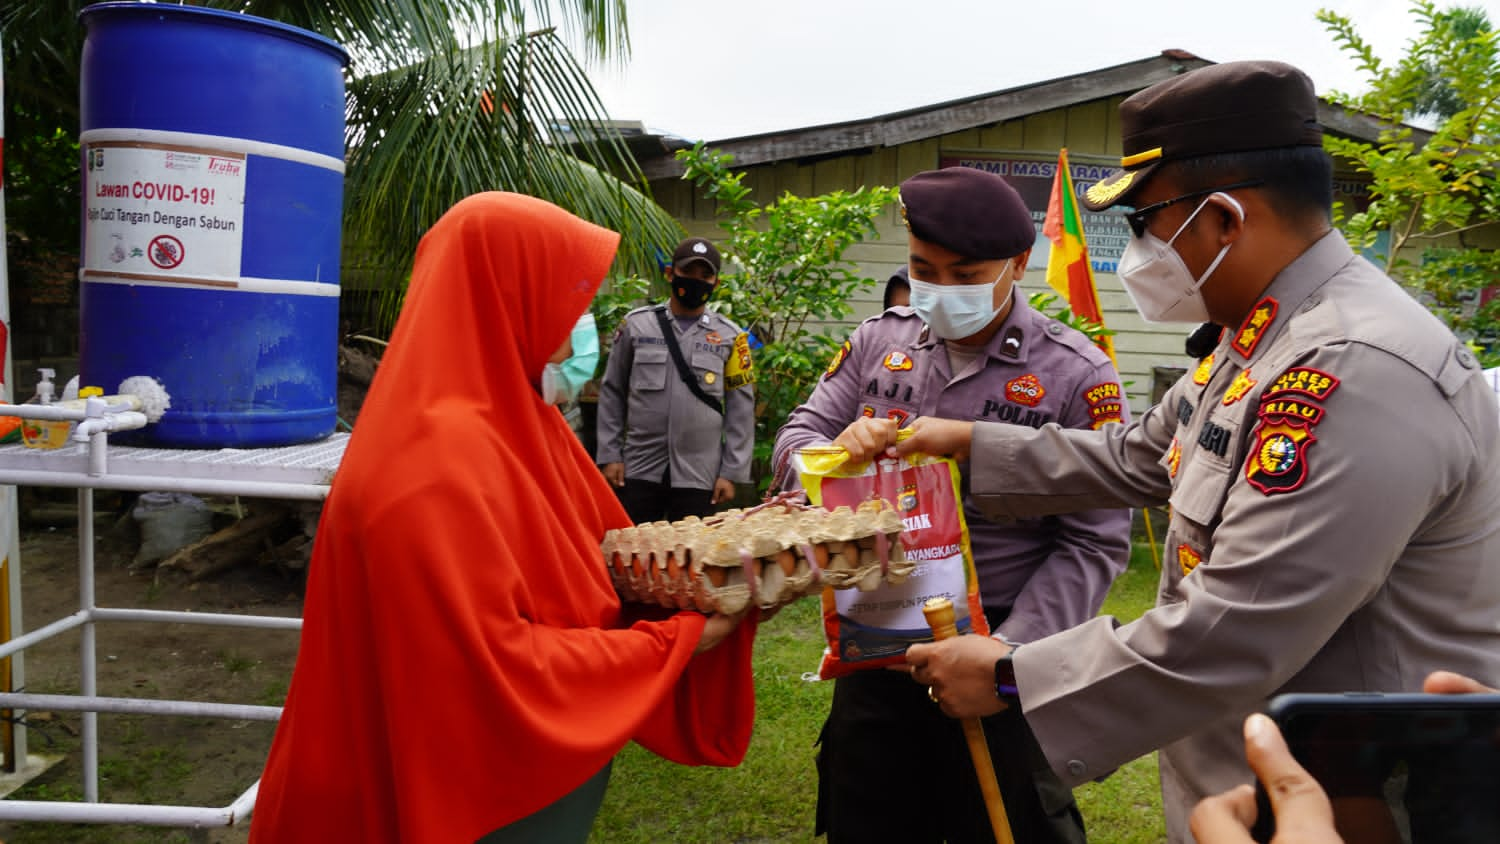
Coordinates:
(956, 311)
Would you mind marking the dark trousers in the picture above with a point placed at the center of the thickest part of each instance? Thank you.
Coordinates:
(893, 767)
(569, 819)
(648, 501)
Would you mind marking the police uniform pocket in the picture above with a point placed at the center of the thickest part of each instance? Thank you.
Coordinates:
(649, 372)
(709, 367)
(1205, 474)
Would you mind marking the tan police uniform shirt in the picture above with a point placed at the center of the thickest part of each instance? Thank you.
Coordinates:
(1334, 486)
(650, 420)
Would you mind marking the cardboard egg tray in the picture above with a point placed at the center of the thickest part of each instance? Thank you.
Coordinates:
(768, 555)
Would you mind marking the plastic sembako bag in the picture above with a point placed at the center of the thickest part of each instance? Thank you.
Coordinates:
(873, 628)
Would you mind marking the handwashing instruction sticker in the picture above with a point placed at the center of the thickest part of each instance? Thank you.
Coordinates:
(159, 212)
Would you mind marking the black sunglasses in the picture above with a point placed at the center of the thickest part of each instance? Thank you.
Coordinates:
(1137, 218)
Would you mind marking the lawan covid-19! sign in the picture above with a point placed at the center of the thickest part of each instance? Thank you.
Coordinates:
(165, 214)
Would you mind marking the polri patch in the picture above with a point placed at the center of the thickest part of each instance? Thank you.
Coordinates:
(897, 362)
(1026, 390)
(1254, 327)
(907, 500)
(1239, 387)
(1302, 380)
(713, 337)
(838, 359)
(1278, 456)
(1205, 368)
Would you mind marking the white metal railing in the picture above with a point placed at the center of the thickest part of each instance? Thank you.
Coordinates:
(296, 472)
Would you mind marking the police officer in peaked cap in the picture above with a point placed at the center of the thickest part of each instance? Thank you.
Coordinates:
(1333, 466)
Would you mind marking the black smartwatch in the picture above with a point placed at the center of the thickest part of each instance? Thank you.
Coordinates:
(1005, 677)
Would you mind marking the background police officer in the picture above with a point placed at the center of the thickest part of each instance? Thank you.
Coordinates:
(676, 422)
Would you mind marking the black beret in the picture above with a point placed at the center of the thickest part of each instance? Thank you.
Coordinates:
(1229, 107)
(972, 212)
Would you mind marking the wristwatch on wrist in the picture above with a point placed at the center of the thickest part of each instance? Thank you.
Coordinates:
(1005, 677)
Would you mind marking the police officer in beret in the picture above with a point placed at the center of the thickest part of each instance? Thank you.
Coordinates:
(892, 766)
(897, 289)
(1333, 467)
(676, 422)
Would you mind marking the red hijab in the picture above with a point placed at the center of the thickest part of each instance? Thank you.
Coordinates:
(463, 660)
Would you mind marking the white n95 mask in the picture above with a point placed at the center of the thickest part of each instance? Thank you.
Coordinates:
(1159, 283)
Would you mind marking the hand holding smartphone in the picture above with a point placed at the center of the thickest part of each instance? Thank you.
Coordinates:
(1410, 768)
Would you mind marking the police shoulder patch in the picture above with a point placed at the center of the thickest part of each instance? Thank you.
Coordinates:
(739, 369)
(1302, 380)
(1277, 462)
(838, 359)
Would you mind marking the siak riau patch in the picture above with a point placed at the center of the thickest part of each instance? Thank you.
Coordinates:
(1278, 455)
(1205, 369)
(1104, 413)
(1239, 387)
(897, 362)
(1301, 380)
(739, 370)
(1187, 558)
(838, 359)
(1174, 458)
(1027, 390)
(1104, 404)
(1254, 327)
(1295, 409)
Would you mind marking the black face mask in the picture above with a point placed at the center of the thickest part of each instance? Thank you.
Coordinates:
(691, 293)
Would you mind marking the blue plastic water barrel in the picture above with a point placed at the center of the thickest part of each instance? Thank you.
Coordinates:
(213, 172)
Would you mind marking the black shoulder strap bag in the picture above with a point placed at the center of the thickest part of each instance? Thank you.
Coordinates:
(682, 368)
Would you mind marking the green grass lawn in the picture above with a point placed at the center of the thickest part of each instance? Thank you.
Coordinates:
(770, 797)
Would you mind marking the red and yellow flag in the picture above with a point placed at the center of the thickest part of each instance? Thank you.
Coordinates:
(1068, 268)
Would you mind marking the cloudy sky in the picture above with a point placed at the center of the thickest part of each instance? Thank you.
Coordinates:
(716, 69)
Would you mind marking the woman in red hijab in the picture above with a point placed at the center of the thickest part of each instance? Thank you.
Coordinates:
(464, 663)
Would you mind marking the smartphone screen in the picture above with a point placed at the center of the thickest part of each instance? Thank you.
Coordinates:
(1409, 768)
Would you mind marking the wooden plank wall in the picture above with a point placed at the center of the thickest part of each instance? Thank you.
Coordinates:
(1091, 133)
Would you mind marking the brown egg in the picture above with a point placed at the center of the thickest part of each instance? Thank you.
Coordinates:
(637, 566)
(716, 575)
(851, 555)
(617, 563)
(787, 560)
(674, 571)
(820, 554)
